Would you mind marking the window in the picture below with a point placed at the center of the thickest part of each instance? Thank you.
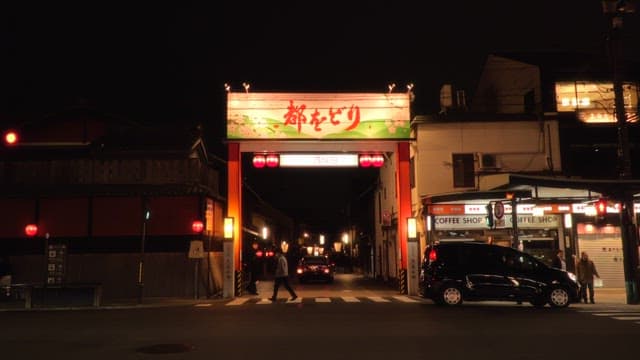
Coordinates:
(463, 170)
(594, 101)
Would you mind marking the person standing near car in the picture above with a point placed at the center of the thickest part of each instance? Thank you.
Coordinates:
(586, 270)
(282, 276)
(559, 261)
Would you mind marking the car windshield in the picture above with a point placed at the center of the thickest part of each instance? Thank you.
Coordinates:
(315, 260)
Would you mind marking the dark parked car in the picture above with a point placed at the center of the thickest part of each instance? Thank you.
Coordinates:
(317, 268)
(457, 271)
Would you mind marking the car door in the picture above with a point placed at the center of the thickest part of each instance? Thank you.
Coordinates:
(523, 272)
(486, 278)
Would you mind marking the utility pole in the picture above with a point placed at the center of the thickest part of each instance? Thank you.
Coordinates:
(615, 10)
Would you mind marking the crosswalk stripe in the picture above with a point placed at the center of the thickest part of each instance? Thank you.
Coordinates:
(237, 301)
(616, 314)
(347, 299)
(626, 318)
(405, 299)
(351, 299)
(378, 299)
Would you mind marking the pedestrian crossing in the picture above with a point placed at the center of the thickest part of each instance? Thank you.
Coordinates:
(617, 314)
(325, 300)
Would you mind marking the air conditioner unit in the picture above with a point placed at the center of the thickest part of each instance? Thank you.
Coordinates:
(488, 161)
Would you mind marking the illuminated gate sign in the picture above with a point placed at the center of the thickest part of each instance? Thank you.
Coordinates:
(318, 116)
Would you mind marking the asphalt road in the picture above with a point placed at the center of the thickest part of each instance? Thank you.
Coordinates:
(356, 323)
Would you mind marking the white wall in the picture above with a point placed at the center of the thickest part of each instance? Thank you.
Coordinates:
(520, 146)
(503, 85)
(386, 202)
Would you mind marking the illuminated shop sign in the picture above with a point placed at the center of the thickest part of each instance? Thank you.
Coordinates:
(462, 222)
(318, 116)
(595, 102)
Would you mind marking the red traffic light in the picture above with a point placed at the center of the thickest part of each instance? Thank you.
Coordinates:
(197, 226)
(31, 230)
(10, 137)
(601, 207)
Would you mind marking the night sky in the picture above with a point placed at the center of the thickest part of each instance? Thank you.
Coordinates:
(167, 62)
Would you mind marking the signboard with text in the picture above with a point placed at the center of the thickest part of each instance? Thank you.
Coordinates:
(460, 222)
(318, 116)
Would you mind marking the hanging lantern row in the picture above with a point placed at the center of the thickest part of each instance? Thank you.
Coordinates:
(273, 160)
(371, 160)
(268, 160)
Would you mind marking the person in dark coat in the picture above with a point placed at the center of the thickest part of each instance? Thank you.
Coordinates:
(254, 269)
(586, 270)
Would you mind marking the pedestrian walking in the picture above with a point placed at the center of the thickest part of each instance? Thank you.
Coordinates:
(586, 270)
(282, 276)
(559, 262)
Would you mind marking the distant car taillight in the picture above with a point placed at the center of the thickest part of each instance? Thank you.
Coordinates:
(326, 270)
(299, 270)
(433, 256)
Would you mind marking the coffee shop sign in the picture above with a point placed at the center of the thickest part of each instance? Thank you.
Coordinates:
(478, 222)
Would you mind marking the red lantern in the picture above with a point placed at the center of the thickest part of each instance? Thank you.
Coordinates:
(365, 160)
(272, 160)
(259, 161)
(377, 160)
(197, 226)
(10, 137)
(31, 230)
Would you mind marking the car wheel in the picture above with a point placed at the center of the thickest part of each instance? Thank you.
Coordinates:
(450, 295)
(559, 297)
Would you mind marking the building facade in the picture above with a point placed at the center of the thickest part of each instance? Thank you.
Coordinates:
(135, 209)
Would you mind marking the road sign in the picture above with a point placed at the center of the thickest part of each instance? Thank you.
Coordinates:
(498, 209)
(196, 250)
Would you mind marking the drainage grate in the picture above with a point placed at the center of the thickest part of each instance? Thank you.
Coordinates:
(165, 349)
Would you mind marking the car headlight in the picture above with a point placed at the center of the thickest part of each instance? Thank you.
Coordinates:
(572, 276)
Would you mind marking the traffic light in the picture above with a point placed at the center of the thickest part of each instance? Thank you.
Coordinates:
(489, 217)
(601, 207)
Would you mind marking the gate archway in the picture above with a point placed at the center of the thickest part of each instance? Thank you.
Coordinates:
(316, 123)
